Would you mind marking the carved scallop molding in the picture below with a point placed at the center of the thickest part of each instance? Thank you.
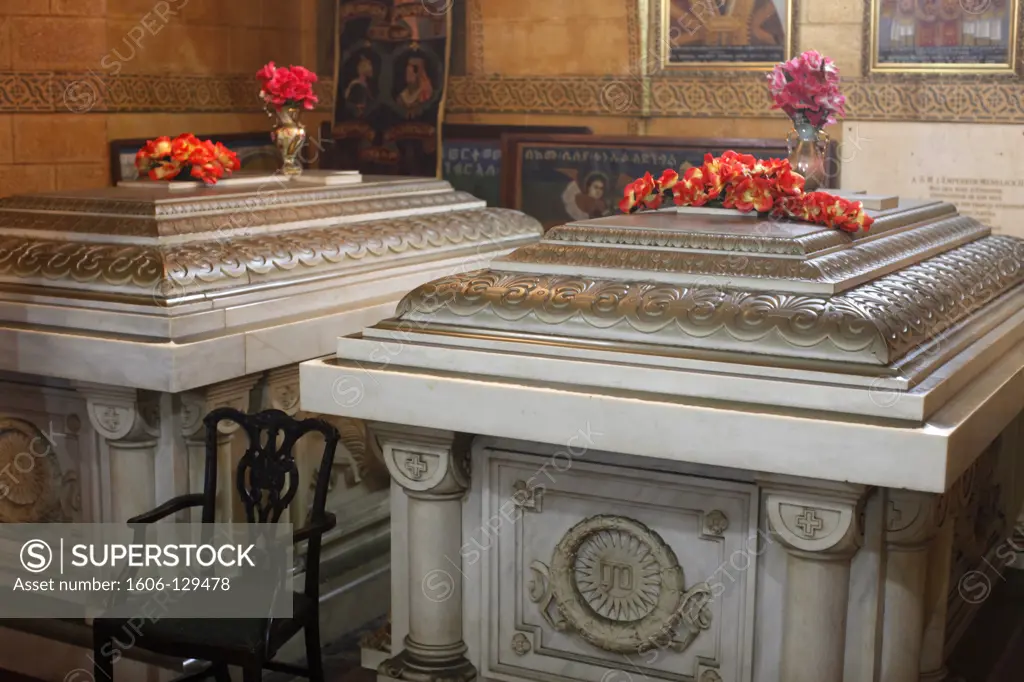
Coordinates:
(875, 323)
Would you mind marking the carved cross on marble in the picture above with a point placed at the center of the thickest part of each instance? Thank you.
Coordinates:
(809, 523)
(416, 467)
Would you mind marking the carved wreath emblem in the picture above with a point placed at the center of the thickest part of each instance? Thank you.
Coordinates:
(619, 585)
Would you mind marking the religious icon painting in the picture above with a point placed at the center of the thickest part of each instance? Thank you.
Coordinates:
(944, 36)
(721, 34)
(471, 155)
(392, 58)
(563, 178)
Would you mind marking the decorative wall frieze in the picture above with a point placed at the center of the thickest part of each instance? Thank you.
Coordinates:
(79, 92)
(978, 99)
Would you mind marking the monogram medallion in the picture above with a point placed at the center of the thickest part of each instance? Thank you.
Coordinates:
(620, 587)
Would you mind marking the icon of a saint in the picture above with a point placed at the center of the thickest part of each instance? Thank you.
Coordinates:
(359, 91)
(418, 90)
(586, 200)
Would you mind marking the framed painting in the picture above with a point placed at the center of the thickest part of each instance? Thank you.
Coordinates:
(255, 152)
(722, 34)
(562, 178)
(471, 155)
(944, 36)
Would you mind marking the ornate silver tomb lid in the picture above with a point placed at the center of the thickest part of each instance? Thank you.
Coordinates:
(737, 288)
(163, 263)
(165, 245)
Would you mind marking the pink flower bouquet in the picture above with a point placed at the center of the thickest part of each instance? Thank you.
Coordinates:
(287, 86)
(807, 89)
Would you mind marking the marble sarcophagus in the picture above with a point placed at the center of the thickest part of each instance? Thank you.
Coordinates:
(127, 314)
(699, 447)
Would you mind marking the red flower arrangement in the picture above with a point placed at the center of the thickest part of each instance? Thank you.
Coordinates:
(807, 87)
(290, 86)
(743, 183)
(164, 159)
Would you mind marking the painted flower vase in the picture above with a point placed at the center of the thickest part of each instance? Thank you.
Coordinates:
(289, 136)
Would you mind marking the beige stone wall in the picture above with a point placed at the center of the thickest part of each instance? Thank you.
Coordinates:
(47, 44)
(557, 38)
(547, 62)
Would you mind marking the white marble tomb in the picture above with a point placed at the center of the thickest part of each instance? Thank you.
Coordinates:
(127, 314)
(697, 448)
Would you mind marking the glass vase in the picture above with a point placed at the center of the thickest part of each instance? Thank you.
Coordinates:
(289, 135)
(808, 147)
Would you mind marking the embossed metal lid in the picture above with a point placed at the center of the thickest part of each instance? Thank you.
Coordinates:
(151, 246)
(706, 285)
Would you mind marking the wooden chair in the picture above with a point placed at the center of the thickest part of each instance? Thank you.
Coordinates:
(266, 480)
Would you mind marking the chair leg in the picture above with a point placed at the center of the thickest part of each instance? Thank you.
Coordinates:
(314, 660)
(252, 674)
(102, 655)
(220, 672)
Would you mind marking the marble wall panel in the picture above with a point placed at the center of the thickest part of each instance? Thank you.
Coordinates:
(980, 168)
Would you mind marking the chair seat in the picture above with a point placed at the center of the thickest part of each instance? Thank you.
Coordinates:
(242, 638)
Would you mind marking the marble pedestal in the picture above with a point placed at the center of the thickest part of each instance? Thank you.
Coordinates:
(127, 314)
(699, 448)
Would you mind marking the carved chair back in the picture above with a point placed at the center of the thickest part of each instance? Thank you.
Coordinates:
(267, 477)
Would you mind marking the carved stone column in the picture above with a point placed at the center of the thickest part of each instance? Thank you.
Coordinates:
(912, 520)
(434, 478)
(195, 405)
(128, 474)
(820, 529)
(940, 558)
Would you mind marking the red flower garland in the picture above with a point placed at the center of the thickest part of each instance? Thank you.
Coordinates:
(741, 182)
(164, 158)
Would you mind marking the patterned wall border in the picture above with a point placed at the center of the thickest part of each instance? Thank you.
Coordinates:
(960, 100)
(87, 92)
(475, 38)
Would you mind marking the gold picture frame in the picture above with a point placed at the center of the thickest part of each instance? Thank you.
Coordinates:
(670, 20)
(944, 28)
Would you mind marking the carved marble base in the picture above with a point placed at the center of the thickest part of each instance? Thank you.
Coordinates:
(402, 668)
(375, 647)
